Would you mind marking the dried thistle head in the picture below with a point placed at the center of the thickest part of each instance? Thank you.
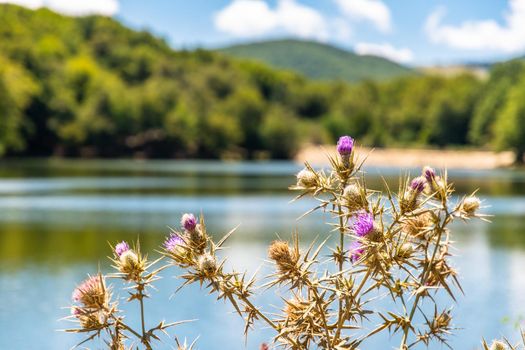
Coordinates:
(438, 272)
(284, 257)
(418, 226)
(306, 178)
(207, 265)
(92, 293)
(354, 198)
(404, 251)
(498, 345)
(91, 320)
(304, 320)
(469, 206)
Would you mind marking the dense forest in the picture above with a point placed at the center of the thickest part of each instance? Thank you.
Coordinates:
(91, 87)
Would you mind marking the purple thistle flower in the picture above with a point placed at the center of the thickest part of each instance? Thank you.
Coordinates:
(418, 184)
(429, 173)
(345, 145)
(364, 224)
(356, 250)
(121, 248)
(173, 241)
(189, 222)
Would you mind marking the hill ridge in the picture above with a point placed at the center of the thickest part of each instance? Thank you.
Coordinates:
(318, 60)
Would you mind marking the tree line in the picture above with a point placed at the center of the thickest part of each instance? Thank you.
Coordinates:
(91, 87)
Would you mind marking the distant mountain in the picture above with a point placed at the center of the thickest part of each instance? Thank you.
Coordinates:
(319, 61)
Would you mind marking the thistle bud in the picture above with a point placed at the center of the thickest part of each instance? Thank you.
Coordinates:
(121, 248)
(207, 264)
(352, 198)
(470, 205)
(429, 174)
(405, 251)
(498, 345)
(189, 222)
(345, 145)
(128, 261)
(306, 178)
(418, 184)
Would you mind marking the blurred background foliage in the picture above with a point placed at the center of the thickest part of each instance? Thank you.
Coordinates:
(91, 87)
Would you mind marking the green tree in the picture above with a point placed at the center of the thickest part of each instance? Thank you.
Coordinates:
(509, 130)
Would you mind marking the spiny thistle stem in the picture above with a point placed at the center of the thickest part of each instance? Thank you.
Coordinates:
(424, 277)
(144, 337)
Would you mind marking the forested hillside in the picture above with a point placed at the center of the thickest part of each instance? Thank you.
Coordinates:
(91, 87)
(319, 61)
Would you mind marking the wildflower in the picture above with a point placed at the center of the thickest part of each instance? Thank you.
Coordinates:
(173, 242)
(364, 224)
(356, 250)
(283, 255)
(121, 248)
(91, 292)
(345, 146)
(189, 222)
(264, 346)
(207, 264)
(429, 174)
(498, 345)
(470, 205)
(306, 178)
(418, 184)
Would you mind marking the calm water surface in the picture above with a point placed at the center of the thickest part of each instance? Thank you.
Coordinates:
(56, 218)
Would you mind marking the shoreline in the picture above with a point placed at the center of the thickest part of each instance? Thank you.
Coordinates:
(412, 158)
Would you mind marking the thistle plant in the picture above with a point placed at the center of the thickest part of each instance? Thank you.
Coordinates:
(96, 312)
(380, 245)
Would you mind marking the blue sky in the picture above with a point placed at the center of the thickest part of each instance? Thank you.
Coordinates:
(415, 32)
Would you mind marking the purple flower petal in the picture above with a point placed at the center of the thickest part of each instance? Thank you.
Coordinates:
(173, 241)
(364, 224)
(121, 248)
(345, 145)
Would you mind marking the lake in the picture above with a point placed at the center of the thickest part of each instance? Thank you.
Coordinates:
(57, 217)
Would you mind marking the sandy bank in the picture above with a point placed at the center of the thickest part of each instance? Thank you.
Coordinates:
(450, 159)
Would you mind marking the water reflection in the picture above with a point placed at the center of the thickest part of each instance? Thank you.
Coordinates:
(56, 218)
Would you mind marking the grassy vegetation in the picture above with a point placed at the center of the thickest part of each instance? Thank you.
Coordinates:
(319, 61)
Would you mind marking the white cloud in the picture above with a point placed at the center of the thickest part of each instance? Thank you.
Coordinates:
(247, 18)
(72, 7)
(401, 55)
(341, 29)
(483, 34)
(374, 11)
(32, 4)
(300, 20)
